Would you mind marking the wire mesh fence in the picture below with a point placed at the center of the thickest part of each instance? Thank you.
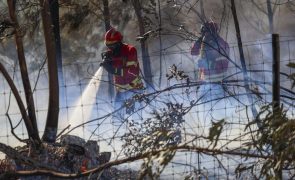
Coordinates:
(187, 108)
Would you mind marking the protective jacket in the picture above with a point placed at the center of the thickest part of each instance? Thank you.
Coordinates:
(126, 61)
(212, 52)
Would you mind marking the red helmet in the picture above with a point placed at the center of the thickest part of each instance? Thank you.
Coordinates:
(112, 36)
(210, 27)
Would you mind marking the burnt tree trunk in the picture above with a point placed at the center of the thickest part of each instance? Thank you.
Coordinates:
(144, 47)
(54, 10)
(53, 106)
(276, 96)
(30, 121)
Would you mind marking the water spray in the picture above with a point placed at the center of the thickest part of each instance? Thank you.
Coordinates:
(84, 105)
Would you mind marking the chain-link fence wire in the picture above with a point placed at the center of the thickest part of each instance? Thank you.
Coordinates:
(183, 110)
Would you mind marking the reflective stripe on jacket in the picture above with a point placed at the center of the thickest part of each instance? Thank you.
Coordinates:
(128, 62)
(135, 84)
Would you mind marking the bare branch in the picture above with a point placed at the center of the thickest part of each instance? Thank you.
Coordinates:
(21, 106)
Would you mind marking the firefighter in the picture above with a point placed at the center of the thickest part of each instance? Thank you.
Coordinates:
(121, 60)
(212, 51)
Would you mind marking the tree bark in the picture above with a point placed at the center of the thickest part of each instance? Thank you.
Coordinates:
(54, 10)
(243, 63)
(33, 132)
(53, 106)
(144, 46)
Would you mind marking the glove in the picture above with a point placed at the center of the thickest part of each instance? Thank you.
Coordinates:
(109, 67)
(106, 56)
(107, 61)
